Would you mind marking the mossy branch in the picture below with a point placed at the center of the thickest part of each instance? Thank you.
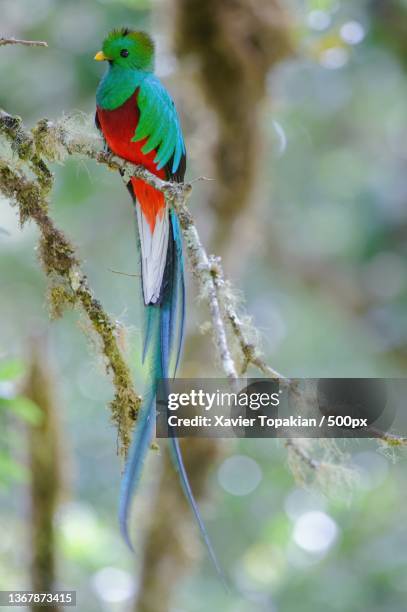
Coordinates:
(69, 285)
(54, 141)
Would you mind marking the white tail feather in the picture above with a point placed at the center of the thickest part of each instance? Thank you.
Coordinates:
(154, 246)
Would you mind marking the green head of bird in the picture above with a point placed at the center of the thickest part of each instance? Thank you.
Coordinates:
(128, 49)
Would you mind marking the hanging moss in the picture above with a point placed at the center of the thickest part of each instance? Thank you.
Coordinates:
(57, 255)
(60, 298)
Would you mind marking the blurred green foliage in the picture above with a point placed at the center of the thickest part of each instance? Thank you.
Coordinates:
(15, 409)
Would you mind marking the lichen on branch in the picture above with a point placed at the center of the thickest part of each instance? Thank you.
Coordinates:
(69, 285)
(74, 136)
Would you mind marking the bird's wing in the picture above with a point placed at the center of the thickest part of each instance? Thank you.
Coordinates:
(159, 124)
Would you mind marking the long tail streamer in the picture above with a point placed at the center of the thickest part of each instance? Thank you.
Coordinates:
(163, 338)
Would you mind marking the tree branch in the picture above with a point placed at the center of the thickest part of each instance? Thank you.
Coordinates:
(292, 445)
(69, 285)
(54, 141)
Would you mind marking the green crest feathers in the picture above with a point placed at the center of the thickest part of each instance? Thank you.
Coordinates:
(129, 49)
(137, 35)
(143, 39)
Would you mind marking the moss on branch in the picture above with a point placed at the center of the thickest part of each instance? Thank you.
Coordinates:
(69, 286)
(73, 136)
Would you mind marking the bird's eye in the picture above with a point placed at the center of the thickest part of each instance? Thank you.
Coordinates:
(124, 53)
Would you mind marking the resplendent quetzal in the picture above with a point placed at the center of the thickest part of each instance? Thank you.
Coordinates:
(140, 124)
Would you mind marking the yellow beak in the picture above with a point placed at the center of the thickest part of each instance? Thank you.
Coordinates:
(100, 56)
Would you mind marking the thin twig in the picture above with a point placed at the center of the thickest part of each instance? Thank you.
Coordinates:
(26, 43)
(249, 350)
(293, 445)
(202, 269)
(124, 273)
(388, 437)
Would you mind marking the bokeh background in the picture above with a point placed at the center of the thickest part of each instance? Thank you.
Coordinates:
(298, 109)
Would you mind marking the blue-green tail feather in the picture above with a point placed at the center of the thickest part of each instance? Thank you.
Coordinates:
(138, 450)
(163, 338)
(180, 467)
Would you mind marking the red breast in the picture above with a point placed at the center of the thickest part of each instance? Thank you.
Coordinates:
(119, 126)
